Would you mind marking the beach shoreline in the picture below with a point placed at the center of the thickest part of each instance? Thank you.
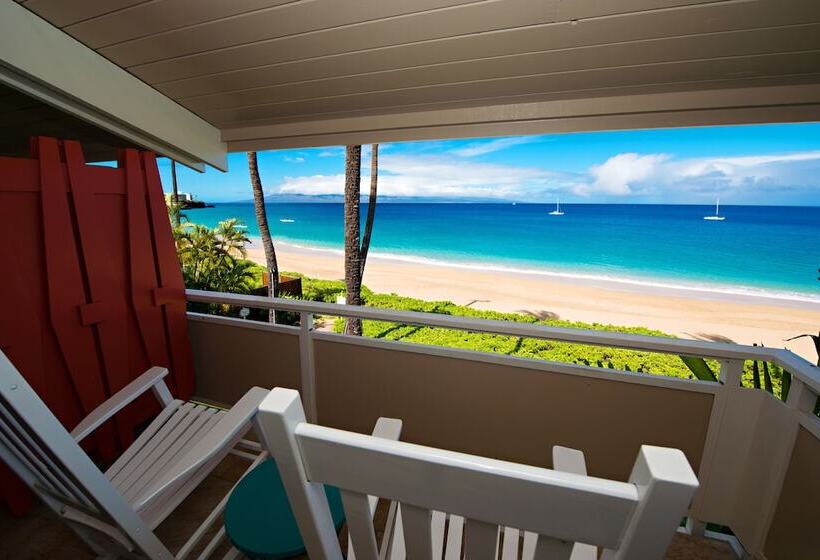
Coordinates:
(684, 312)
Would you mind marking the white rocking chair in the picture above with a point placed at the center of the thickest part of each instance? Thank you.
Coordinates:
(116, 512)
(484, 498)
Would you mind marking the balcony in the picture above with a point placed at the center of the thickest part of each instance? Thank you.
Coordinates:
(131, 76)
(756, 456)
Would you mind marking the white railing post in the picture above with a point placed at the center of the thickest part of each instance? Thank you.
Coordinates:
(801, 398)
(731, 373)
(307, 365)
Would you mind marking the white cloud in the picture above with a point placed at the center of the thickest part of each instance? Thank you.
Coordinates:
(489, 146)
(661, 176)
(736, 171)
(646, 177)
(617, 174)
(294, 159)
(435, 176)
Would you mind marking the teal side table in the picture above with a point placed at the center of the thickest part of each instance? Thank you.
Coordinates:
(258, 518)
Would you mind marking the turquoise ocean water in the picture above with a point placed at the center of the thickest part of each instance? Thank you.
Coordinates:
(757, 249)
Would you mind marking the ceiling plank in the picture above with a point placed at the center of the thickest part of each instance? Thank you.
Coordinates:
(62, 12)
(736, 44)
(143, 20)
(662, 73)
(279, 21)
(457, 34)
(653, 109)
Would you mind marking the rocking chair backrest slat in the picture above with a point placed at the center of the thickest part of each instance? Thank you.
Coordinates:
(481, 540)
(631, 520)
(418, 534)
(360, 524)
(31, 454)
(40, 450)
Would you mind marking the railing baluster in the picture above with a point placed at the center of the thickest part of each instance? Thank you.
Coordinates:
(307, 365)
(731, 372)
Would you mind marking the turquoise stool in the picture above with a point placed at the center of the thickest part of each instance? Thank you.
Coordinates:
(258, 519)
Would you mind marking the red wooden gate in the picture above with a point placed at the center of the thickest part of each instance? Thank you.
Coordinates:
(92, 293)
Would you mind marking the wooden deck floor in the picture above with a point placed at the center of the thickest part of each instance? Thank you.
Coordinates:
(41, 535)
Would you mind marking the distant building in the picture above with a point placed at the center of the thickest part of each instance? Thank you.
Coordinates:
(183, 197)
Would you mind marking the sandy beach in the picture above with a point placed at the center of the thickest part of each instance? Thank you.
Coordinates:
(685, 313)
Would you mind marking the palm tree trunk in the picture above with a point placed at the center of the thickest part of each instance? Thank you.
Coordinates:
(264, 230)
(371, 208)
(175, 196)
(353, 276)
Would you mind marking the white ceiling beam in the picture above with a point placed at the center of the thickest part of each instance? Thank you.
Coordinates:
(49, 65)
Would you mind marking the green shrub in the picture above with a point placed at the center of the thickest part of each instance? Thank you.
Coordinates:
(612, 358)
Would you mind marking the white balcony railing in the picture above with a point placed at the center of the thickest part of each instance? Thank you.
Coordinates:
(738, 433)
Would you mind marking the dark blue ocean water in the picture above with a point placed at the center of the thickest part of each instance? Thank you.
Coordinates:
(756, 247)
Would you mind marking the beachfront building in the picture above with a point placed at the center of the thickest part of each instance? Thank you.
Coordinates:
(182, 197)
(193, 81)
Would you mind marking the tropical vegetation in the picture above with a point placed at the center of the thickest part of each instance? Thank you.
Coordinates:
(595, 356)
(214, 258)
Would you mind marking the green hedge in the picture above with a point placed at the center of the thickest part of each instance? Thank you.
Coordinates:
(615, 358)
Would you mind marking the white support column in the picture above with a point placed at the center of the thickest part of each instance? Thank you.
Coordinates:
(307, 365)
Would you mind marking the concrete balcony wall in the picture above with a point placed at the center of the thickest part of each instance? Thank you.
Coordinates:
(231, 356)
(514, 411)
(795, 529)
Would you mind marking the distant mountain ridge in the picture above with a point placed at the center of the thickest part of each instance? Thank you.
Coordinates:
(338, 199)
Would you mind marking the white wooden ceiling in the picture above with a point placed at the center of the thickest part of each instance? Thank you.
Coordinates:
(272, 73)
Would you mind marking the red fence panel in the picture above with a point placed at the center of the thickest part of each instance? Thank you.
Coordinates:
(92, 292)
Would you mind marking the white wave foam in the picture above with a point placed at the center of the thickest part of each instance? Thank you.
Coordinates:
(728, 290)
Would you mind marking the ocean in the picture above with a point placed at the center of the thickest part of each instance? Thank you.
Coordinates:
(756, 250)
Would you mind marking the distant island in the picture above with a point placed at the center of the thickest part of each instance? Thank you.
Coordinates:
(383, 199)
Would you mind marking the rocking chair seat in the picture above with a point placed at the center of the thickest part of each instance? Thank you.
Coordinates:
(161, 445)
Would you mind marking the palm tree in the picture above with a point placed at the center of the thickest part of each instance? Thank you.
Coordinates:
(371, 207)
(175, 196)
(264, 230)
(355, 253)
(213, 259)
(353, 270)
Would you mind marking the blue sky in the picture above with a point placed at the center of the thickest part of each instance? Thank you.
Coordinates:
(766, 164)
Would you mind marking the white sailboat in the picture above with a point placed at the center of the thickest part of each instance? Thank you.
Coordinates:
(717, 216)
(557, 211)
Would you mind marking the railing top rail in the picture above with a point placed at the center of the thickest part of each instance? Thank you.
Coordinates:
(805, 371)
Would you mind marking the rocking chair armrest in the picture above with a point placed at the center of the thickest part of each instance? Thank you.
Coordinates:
(233, 424)
(151, 379)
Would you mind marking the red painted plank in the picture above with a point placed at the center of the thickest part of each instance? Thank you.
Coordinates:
(20, 342)
(23, 175)
(143, 268)
(66, 289)
(108, 308)
(22, 231)
(171, 281)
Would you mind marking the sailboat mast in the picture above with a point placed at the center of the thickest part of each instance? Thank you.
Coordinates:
(717, 207)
